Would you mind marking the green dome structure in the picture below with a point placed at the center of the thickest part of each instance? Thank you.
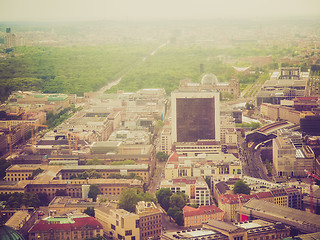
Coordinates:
(8, 233)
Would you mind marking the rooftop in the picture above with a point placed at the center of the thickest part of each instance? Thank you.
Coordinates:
(65, 223)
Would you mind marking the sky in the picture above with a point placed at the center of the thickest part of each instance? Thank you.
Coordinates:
(90, 10)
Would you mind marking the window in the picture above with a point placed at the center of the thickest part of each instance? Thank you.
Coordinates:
(128, 232)
(113, 227)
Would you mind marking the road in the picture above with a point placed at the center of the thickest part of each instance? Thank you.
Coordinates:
(157, 177)
(116, 82)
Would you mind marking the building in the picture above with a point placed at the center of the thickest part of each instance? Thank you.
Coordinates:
(141, 170)
(228, 135)
(118, 223)
(77, 187)
(315, 202)
(10, 39)
(287, 83)
(276, 112)
(142, 154)
(196, 148)
(195, 188)
(166, 140)
(210, 82)
(64, 204)
(303, 221)
(214, 230)
(193, 234)
(39, 101)
(66, 227)
(309, 123)
(286, 197)
(194, 217)
(203, 165)
(150, 220)
(290, 156)
(195, 116)
(249, 230)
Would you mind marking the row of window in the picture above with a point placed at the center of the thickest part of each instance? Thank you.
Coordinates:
(18, 174)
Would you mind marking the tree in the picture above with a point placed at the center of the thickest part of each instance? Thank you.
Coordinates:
(178, 217)
(249, 106)
(241, 187)
(36, 172)
(17, 200)
(93, 192)
(129, 199)
(178, 199)
(163, 196)
(3, 166)
(161, 156)
(95, 161)
(89, 211)
(43, 198)
(208, 181)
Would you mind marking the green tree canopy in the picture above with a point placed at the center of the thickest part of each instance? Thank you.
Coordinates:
(178, 199)
(93, 192)
(129, 199)
(131, 196)
(241, 187)
(161, 156)
(163, 196)
(124, 162)
(95, 161)
(89, 211)
(3, 166)
(17, 200)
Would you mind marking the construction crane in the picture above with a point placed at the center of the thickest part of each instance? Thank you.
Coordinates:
(10, 141)
(32, 132)
(75, 138)
(312, 175)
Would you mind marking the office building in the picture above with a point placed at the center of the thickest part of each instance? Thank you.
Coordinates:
(195, 116)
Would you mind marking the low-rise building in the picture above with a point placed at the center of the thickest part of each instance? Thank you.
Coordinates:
(141, 170)
(194, 217)
(231, 203)
(150, 220)
(203, 165)
(66, 227)
(290, 156)
(195, 188)
(118, 223)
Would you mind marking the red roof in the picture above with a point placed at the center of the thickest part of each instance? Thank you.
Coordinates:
(202, 210)
(234, 198)
(79, 223)
(184, 180)
(173, 158)
(261, 195)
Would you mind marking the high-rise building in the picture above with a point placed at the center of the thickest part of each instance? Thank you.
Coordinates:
(9, 39)
(195, 115)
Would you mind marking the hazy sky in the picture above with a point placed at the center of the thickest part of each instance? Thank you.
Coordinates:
(61, 10)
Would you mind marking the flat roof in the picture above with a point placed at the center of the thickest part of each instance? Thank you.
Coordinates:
(117, 167)
(284, 214)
